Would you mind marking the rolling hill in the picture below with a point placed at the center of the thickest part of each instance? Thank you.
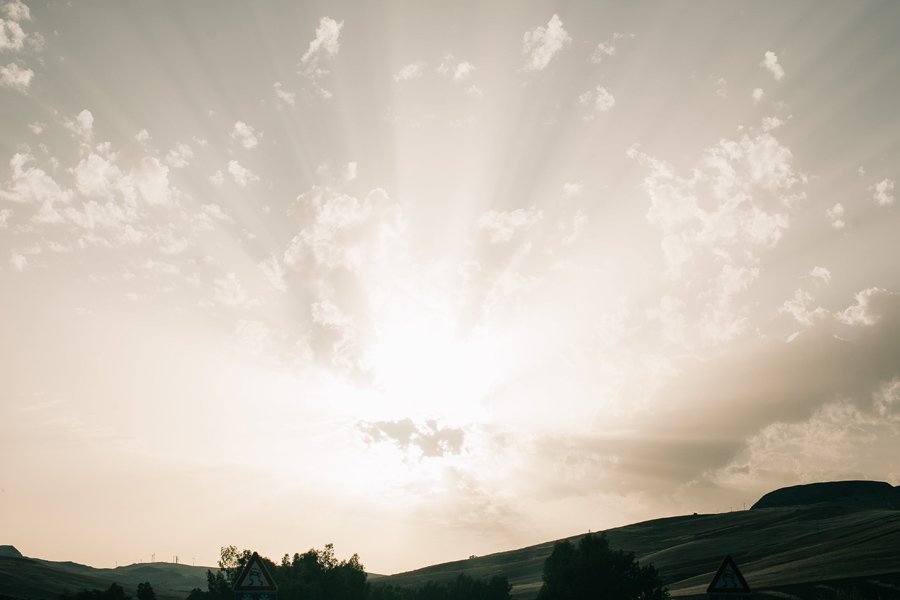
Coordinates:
(806, 537)
(793, 543)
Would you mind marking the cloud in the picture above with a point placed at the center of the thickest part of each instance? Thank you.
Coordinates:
(274, 273)
(883, 189)
(335, 337)
(321, 50)
(608, 48)
(241, 175)
(13, 76)
(29, 184)
(229, 292)
(180, 156)
(736, 196)
(770, 62)
(16, 10)
(835, 216)
(5, 214)
(503, 226)
(821, 274)
(217, 178)
(246, 135)
(82, 126)
(758, 94)
(142, 136)
(288, 98)
(11, 35)
(429, 440)
(151, 178)
(18, 261)
(572, 189)
(410, 72)
(340, 231)
(541, 44)
(771, 123)
(599, 99)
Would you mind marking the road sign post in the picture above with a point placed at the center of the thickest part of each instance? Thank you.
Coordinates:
(728, 584)
(255, 582)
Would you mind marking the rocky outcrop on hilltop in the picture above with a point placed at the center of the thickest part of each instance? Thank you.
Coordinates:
(863, 494)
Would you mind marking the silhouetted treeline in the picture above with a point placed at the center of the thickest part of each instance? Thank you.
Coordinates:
(593, 570)
(318, 575)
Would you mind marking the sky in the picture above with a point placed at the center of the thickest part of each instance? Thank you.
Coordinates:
(428, 280)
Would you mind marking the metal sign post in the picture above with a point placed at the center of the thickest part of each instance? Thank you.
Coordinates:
(728, 584)
(254, 582)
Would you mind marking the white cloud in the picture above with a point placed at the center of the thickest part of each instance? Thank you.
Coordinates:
(771, 123)
(599, 99)
(14, 76)
(246, 134)
(462, 71)
(229, 291)
(142, 136)
(11, 35)
(349, 171)
(217, 178)
(96, 175)
(722, 88)
(727, 201)
(867, 308)
(341, 231)
(800, 307)
(758, 94)
(410, 71)
(82, 125)
(572, 189)
(502, 226)
(17, 10)
(541, 44)
(321, 50)
(31, 184)
(5, 214)
(241, 175)
(883, 189)
(770, 62)
(37, 128)
(152, 180)
(180, 156)
(274, 273)
(608, 48)
(288, 98)
(835, 216)
(821, 274)
(18, 261)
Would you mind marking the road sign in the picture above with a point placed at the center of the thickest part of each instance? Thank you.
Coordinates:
(254, 582)
(728, 584)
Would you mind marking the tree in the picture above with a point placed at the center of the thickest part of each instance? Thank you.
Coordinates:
(594, 571)
(145, 591)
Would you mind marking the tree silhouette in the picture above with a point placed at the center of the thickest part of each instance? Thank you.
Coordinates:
(145, 591)
(594, 571)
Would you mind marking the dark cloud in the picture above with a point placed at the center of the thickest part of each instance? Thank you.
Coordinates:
(429, 438)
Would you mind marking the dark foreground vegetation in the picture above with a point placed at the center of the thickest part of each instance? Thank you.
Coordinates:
(589, 570)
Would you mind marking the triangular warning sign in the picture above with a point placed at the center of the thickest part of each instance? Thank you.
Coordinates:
(728, 579)
(255, 577)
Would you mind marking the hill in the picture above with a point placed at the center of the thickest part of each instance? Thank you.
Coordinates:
(28, 578)
(870, 494)
(813, 541)
(796, 547)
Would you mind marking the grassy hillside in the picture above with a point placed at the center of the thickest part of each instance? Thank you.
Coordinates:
(773, 547)
(26, 578)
